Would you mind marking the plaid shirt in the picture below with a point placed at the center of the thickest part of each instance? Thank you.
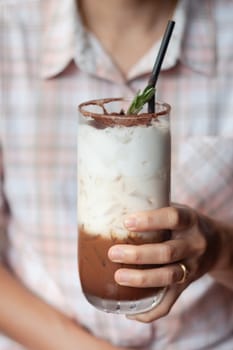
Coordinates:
(48, 65)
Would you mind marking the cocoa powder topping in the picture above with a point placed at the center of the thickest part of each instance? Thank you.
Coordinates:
(122, 119)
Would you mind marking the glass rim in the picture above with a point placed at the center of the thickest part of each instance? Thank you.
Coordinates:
(166, 108)
(117, 119)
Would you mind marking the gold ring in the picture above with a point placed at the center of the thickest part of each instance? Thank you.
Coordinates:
(185, 273)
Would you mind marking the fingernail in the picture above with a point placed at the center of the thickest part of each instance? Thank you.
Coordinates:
(116, 254)
(122, 277)
(131, 222)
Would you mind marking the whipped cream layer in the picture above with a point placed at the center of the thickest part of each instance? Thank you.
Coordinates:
(121, 170)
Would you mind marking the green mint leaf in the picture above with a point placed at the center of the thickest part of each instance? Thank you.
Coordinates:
(140, 99)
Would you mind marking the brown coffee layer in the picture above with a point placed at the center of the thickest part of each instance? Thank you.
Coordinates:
(97, 271)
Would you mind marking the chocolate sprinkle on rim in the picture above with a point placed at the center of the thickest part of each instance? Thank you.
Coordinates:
(111, 119)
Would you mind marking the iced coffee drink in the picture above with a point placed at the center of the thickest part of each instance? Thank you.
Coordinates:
(123, 167)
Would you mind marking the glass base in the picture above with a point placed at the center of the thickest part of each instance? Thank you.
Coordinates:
(127, 307)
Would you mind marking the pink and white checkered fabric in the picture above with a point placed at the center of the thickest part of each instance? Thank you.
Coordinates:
(48, 65)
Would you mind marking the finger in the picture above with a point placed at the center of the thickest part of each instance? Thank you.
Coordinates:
(173, 218)
(157, 253)
(157, 277)
(162, 309)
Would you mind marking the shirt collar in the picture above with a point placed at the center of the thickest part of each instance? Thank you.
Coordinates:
(174, 48)
(198, 50)
(60, 26)
(193, 41)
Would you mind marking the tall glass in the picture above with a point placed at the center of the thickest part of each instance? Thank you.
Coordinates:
(123, 167)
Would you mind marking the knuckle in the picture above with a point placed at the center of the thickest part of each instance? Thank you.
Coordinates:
(163, 278)
(137, 257)
(150, 220)
(173, 217)
(141, 279)
(168, 253)
(202, 246)
(169, 276)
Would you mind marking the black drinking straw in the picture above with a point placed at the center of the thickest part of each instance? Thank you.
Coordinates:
(158, 63)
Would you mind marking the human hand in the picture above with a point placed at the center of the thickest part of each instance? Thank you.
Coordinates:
(192, 251)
